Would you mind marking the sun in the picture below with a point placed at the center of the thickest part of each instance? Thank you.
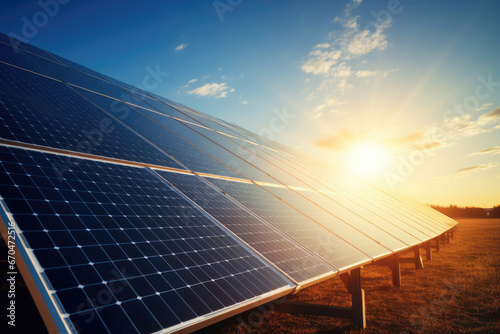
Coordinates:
(368, 160)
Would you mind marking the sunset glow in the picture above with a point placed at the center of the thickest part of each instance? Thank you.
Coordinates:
(408, 89)
(368, 160)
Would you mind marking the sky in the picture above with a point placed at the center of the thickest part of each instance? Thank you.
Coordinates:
(405, 94)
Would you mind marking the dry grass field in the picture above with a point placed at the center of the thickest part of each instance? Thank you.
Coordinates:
(457, 292)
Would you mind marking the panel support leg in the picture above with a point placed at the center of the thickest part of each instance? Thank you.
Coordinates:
(428, 250)
(419, 264)
(346, 278)
(356, 313)
(396, 271)
(358, 299)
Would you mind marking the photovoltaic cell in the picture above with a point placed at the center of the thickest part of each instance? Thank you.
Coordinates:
(287, 255)
(232, 160)
(18, 58)
(168, 141)
(316, 238)
(119, 246)
(343, 228)
(37, 110)
(352, 196)
(278, 176)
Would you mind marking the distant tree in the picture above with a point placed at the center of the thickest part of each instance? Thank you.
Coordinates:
(496, 211)
(455, 211)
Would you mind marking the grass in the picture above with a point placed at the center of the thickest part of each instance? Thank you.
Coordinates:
(457, 292)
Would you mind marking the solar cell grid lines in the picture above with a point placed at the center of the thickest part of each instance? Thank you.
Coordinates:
(339, 253)
(106, 225)
(138, 214)
(288, 256)
(37, 115)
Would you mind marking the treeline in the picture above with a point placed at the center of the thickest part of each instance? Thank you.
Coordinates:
(467, 211)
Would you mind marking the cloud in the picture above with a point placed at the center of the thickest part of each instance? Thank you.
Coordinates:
(365, 41)
(318, 111)
(181, 47)
(351, 5)
(322, 46)
(321, 62)
(495, 114)
(318, 115)
(484, 106)
(365, 74)
(192, 81)
(430, 138)
(333, 60)
(244, 102)
(465, 172)
(343, 139)
(489, 151)
(212, 89)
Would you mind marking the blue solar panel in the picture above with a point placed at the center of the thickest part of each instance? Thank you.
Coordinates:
(19, 58)
(284, 253)
(242, 151)
(168, 141)
(246, 169)
(40, 111)
(120, 251)
(321, 241)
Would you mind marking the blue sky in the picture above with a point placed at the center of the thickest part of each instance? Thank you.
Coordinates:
(401, 76)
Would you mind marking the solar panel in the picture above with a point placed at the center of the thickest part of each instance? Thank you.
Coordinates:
(326, 244)
(368, 239)
(40, 111)
(358, 195)
(277, 175)
(213, 149)
(13, 56)
(409, 232)
(118, 245)
(285, 254)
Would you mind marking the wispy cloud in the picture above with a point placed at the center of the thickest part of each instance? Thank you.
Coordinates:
(321, 62)
(192, 81)
(494, 114)
(331, 105)
(430, 138)
(484, 106)
(367, 75)
(488, 151)
(181, 47)
(212, 89)
(465, 172)
(452, 130)
(322, 46)
(344, 139)
(244, 102)
(333, 60)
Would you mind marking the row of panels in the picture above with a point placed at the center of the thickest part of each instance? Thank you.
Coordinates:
(174, 238)
(168, 249)
(195, 148)
(126, 234)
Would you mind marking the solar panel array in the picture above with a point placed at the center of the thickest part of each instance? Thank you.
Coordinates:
(137, 214)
